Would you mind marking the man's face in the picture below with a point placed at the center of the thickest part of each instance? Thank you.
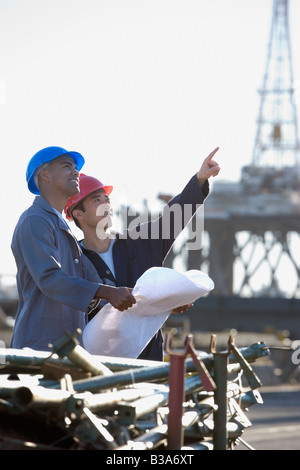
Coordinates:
(63, 175)
(97, 211)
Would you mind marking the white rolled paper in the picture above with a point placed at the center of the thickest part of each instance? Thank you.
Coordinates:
(157, 292)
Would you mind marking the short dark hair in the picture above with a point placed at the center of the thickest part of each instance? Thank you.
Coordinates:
(79, 206)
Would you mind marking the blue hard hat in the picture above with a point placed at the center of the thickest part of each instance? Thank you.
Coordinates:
(46, 155)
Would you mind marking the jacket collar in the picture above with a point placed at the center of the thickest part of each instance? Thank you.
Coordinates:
(44, 204)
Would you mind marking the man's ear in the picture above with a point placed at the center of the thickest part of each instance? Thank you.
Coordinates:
(77, 213)
(43, 175)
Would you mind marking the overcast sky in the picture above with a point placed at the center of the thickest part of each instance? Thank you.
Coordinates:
(144, 89)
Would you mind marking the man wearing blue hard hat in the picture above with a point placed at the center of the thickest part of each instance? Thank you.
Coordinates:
(56, 283)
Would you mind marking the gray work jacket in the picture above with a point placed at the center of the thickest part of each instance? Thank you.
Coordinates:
(55, 281)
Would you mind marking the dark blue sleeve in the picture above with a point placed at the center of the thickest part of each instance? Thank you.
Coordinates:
(176, 215)
(148, 244)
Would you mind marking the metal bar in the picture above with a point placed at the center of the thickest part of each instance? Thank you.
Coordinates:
(252, 378)
(177, 388)
(157, 436)
(148, 441)
(19, 360)
(69, 346)
(204, 375)
(131, 376)
(43, 397)
(70, 404)
(176, 396)
(252, 397)
(120, 379)
(220, 434)
(129, 413)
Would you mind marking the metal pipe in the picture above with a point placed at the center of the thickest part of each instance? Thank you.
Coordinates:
(69, 346)
(176, 396)
(156, 436)
(41, 397)
(220, 416)
(38, 397)
(252, 397)
(19, 360)
(72, 408)
(130, 412)
(120, 379)
(220, 433)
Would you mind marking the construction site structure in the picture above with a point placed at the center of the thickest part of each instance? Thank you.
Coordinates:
(251, 240)
(252, 227)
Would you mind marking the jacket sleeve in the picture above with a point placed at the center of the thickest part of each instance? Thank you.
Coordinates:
(37, 242)
(160, 234)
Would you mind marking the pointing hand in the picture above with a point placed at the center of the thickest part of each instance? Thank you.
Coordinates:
(208, 168)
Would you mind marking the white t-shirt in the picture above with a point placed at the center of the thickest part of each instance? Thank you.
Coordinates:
(108, 257)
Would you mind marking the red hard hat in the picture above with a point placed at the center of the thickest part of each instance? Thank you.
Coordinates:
(87, 185)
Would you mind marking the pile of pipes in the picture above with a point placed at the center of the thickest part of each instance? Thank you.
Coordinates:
(68, 399)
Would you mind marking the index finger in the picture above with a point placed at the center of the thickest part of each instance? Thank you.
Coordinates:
(211, 155)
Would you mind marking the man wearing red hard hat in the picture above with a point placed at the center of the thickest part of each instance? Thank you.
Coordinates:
(88, 185)
(56, 282)
(120, 259)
